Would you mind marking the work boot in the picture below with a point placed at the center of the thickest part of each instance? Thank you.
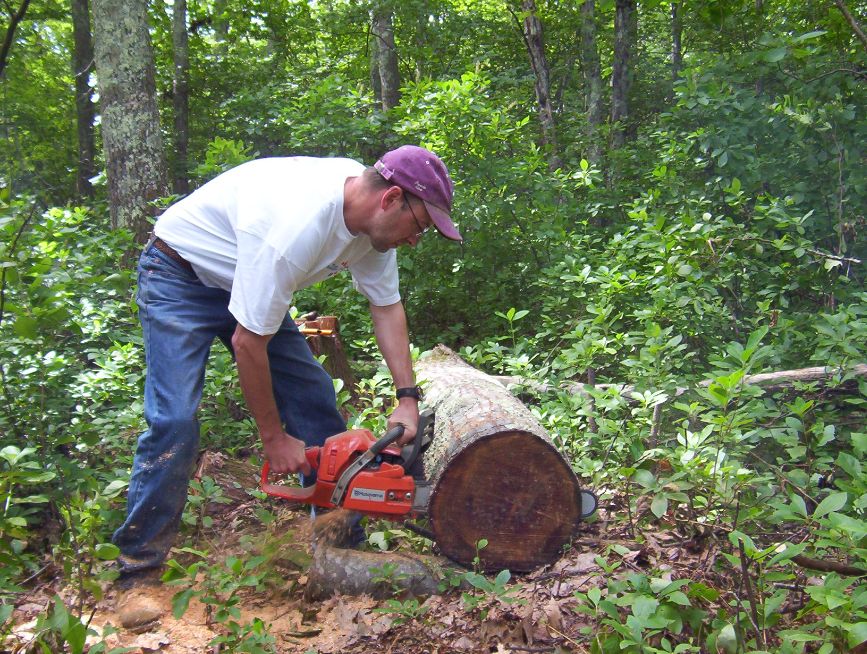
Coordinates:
(136, 603)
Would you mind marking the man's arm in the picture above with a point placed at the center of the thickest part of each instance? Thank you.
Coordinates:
(389, 326)
(284, 453)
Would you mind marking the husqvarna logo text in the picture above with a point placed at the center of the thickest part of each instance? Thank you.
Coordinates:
(370, 494)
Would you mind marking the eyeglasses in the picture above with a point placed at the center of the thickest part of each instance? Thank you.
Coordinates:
(421, 230)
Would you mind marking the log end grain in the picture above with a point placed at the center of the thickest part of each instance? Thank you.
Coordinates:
(513, 490)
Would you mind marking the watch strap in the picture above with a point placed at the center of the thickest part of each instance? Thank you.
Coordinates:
(408, 391)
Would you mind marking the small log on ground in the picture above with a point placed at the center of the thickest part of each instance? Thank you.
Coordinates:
(336, 569)
(496, 474)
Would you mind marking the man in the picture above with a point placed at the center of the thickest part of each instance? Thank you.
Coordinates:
(224, 263)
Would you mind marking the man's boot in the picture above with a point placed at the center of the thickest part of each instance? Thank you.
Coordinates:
(136, 604)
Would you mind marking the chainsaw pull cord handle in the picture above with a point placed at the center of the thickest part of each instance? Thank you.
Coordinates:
(390, 436)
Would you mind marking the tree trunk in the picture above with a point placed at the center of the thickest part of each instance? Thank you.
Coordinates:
(181, 96)
(535, 42)
(621, 75)
(592, 79)
(82, 66)
(131, 136)
(676, 34)
(495, 472)
(389, 74)
(375, 81)
(760, 81)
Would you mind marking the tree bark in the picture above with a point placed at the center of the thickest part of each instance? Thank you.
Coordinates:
(621, 74)
(535, 42)
(389, 73)
(82, 67)
(131, 136)
(495, 472)
(591, 68)
(181, 97)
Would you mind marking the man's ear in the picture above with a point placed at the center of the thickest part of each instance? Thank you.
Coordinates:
(392, 195)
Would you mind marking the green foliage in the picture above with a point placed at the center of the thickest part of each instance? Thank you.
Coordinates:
(639, 610)
(722, 240)
(403, 611)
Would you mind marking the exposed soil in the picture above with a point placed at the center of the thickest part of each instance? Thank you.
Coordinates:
(542, 619)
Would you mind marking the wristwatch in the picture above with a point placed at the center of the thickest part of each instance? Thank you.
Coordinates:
(409, 391)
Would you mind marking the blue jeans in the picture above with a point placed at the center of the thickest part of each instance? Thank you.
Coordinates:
(180, 318)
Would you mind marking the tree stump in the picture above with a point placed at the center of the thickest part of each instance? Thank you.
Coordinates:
(323, 337)
(495, 472)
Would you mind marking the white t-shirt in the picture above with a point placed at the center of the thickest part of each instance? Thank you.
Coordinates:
(270, 227)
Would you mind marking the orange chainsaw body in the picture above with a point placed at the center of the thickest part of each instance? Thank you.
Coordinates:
(380, 489)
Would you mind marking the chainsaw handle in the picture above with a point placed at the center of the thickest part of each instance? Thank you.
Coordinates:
(390, 436)
(424, 419)
(312, 454)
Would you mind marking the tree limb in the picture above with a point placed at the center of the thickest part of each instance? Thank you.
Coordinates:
(15, 18)
(852, 22)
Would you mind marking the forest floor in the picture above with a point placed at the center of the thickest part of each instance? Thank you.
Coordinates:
(537, 615)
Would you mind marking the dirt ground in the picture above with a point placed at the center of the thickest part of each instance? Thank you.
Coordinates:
(541, 619)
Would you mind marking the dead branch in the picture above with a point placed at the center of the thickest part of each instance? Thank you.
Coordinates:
(821, 565)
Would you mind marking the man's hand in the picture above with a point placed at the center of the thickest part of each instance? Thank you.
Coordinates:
(405, 414)
(285, 454)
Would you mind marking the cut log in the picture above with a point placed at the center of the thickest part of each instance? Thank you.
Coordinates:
(495, 472)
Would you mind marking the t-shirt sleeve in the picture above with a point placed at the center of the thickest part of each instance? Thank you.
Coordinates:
(263, 285)
(375, 276)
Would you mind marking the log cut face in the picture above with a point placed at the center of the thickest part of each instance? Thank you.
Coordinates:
(496, 474)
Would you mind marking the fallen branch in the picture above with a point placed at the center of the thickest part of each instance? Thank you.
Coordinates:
(769, 381)
(820, 565)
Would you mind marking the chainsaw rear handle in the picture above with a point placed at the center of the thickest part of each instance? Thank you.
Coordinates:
(390, 436)
(312, 454)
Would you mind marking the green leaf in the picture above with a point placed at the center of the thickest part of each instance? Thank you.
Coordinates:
(798, 505)
(659, 505)
(25, 327)
(850, 464)
(857, 634)
(107, 551)
(180, 602)
(775, 55)
(643, 606)
(790, 550)
(834, 502)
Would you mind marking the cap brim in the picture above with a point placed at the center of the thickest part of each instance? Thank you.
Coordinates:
(443, 222)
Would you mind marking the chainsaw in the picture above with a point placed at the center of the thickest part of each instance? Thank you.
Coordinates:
(355, 471)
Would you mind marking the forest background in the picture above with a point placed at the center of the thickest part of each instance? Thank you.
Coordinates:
(657, 194)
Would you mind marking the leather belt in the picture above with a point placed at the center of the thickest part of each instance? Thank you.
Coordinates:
(169, 251)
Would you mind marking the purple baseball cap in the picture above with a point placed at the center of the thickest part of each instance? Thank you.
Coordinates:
(422, 173)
